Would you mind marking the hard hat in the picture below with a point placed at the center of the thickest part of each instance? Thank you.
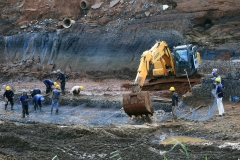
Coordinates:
(218, 79)
(57, 86)
(55, 83)
(81, 87)
(8, 88)
(42, 99)
(23, 90)
(172, 89)
(214, 70)
(58, 70)
(54, 72)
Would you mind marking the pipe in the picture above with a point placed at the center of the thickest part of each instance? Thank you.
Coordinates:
(84, 4)
(67, 22)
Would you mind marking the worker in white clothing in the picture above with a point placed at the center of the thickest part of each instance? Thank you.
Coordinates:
(76, 90)
(219, 95)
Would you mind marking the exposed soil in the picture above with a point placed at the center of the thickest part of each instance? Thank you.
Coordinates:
(35, 140)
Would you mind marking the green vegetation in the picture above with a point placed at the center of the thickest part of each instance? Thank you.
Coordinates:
(116, 155)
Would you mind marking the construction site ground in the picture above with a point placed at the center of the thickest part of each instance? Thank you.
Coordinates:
(96, 132)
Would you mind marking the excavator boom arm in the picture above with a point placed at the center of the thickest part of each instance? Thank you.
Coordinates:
(159, 52)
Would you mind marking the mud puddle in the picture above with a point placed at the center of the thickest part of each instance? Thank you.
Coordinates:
(182, 139)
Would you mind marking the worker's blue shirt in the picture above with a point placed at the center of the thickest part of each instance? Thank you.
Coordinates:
(174, 99)
(219, 91)
(61, 77)
(9, 94)
(49, 82)
(56, 94)
(24, 99)
(37, 97)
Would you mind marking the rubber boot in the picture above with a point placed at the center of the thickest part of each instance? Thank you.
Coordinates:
(57, 111)
(11, 107)
(5, 107)
(51, 111)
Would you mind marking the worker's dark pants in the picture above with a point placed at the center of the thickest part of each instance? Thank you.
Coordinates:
(76, 92)
(48, 88)
(63, 87)
(36, 104)
(33, 98)
(11, 102)
(24, 110)
(173, 115)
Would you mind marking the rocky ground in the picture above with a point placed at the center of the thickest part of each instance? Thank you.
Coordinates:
(38, 140)
(104, 43)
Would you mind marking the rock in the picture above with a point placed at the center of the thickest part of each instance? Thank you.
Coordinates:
(23, 26)
(96, 6)
(23, 67)
(34, 69)
(29, 62)
(36, 59)
(113, 3)
(102, 21)
(68, 69)
(47, 68)
(147, 14)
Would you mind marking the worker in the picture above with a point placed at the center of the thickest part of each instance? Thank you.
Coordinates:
(215, 75)
(213, 71)
(219, 95)
(34, 92)
(8, 96)
(61, 77)
(55, 98)
(24, 103)
(174, 101)
(48, 83)
(76, 90)
(37, 101)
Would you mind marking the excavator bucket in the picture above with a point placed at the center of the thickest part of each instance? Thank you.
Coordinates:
(137, 104)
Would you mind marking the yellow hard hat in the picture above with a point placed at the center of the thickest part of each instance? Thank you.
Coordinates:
(8, 88)
(172, 89)
(57, 86)
(218, 79)
(55, 83)
(81, 87)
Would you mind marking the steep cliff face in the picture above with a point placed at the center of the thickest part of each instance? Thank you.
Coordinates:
(109, 36)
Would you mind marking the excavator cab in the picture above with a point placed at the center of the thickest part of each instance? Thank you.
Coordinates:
(185, 59)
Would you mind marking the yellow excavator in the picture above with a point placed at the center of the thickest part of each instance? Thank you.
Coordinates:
(183, 61)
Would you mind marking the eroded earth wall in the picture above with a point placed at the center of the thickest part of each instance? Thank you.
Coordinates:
(109, 36)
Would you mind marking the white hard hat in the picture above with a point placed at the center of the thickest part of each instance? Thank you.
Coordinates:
(58, 70)
(23, 90)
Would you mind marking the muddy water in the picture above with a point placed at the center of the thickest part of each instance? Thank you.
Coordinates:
(72, 114)
(181, 139)
(81, 114)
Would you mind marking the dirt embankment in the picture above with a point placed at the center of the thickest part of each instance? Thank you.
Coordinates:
(121, 31)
